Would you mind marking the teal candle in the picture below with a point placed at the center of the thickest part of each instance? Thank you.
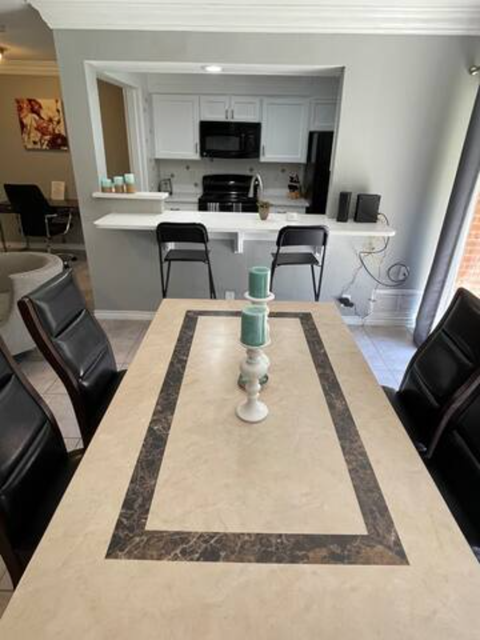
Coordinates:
(254, 326)
(259, 282)
(129, 178)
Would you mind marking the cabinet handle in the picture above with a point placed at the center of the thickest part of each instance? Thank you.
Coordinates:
(226, 114)
(263, 149)
(196, 147)
(233, 114)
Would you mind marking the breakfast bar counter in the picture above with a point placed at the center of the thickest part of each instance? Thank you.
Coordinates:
(241, 227)
(185, 523)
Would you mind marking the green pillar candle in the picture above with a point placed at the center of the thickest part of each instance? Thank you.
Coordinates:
(259, 282)
(254, 326)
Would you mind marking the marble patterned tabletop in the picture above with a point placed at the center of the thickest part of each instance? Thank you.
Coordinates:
(185, 523)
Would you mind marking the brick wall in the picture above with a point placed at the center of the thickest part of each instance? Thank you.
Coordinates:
(469, 272)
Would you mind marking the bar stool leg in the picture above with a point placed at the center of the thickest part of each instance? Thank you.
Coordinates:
(168, 279)
(316, 291)
(213, 293)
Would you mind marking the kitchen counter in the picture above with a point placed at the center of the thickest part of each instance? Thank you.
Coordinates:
(240, 227)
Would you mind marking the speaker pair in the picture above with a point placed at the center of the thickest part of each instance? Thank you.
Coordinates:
(366, 209)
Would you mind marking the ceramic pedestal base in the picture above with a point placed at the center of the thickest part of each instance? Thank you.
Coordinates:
(253, 369)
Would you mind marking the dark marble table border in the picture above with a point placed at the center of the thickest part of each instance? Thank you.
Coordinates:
(131, 540)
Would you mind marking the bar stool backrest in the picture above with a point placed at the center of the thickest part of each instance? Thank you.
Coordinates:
(305, 236)
(190, 232)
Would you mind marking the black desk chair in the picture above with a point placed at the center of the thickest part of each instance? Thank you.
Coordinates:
(76, 346)
(35, 468)
(38, 218)
(315, 237)
(188, 233)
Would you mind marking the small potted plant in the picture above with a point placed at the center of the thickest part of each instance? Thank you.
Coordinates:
(263, 209)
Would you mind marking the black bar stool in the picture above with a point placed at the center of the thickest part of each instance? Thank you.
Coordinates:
(189, 233)
(315, 237)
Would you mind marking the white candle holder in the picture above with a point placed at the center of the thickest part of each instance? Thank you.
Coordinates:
(253, 369)
(262, 302)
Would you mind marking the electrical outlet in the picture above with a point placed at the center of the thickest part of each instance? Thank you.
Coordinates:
(369, 245)
(229, 295)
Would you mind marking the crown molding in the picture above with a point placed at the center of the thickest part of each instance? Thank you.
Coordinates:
(267, 16)
(29, 68)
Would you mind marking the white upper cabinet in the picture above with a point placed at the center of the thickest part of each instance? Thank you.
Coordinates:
(214, 108)
(245, 109)
(322, 114)
(233, 108)
(284, 129)
(176, 124)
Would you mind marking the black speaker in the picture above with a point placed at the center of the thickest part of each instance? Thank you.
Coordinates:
(367, 207)
(344, 200)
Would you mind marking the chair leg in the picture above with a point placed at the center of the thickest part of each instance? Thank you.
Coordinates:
(168, 280)
(213, 293)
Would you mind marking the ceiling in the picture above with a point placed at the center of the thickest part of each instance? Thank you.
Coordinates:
(23, 33)
(441, 17)
(26, 36)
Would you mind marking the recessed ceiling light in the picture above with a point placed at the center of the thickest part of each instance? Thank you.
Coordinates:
(213, 68)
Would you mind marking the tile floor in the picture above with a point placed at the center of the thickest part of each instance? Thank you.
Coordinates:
(386, 349)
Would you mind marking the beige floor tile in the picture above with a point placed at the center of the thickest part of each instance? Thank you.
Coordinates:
(6, 582)
(39, 373)
(63, 411)
(4, 600)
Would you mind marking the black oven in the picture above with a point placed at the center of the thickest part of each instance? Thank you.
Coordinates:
(229, 139)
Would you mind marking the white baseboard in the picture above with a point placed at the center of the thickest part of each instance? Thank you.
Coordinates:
(105, 314)
(67, 246)
(392, 307)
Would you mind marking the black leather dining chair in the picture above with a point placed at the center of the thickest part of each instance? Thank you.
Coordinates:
(185, 233)
(315, 237)
(76, 346)
(38, 218)
(35, 468)
(440, 371)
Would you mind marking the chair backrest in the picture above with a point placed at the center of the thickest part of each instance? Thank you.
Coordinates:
(75, 344)
(32, 452)
(311, 236)
(189, 232)
(30, 204)
(444, 362)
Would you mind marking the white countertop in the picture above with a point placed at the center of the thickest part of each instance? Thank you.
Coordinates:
(138, 195)
(240, 223)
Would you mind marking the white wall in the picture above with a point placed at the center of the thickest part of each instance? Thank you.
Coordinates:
(406, 101)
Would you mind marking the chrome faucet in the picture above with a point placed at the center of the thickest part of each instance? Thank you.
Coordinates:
(256, 180)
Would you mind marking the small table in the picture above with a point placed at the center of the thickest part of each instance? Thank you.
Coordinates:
(59, 206)
(185, 523)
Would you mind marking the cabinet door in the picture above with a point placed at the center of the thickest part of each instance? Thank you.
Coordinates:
(284, 129)
(245, 109)
(214, 108)
(175, 122)
(322, 115)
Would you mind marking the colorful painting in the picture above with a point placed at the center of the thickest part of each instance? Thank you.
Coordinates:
(42, 124)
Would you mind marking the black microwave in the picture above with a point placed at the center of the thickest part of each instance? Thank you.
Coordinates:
(229, 139)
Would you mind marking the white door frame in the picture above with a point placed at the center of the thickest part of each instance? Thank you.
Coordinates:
(134, 120)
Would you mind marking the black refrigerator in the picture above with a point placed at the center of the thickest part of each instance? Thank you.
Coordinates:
(317, 170)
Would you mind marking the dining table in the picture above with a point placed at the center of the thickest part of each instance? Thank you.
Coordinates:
(183, 522)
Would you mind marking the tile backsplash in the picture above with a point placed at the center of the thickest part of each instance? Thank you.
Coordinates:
(186, 175)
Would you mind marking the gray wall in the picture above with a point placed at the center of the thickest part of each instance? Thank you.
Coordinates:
(405, 108)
